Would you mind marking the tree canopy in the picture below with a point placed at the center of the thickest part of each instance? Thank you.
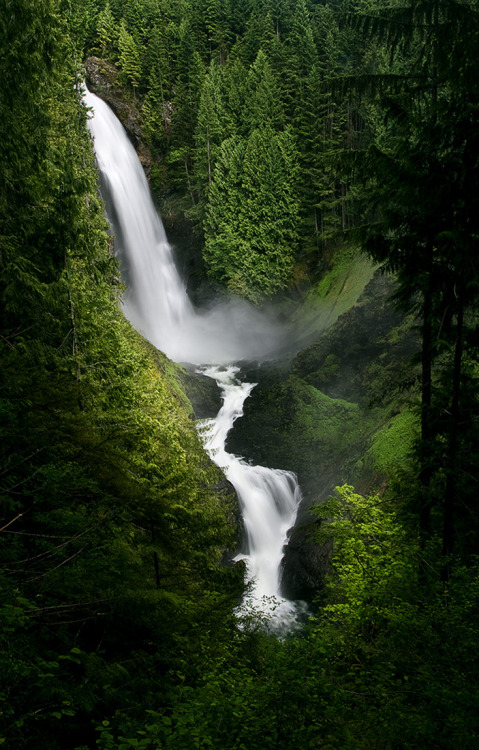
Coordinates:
(282, 131)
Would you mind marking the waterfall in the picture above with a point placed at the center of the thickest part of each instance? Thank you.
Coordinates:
(269, 500)
(156, 302)
(158, 306)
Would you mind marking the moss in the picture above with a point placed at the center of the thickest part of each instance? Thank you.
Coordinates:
(392, 445)
(293, 425)
(338, 290)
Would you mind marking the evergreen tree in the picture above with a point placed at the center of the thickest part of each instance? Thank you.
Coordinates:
(259, 35)
(210, 130)
(130, 58)
(235, 93)
(82, 20)
(223, 243)
(252, 214)
(187, 88)
(263, 102)
(418, 196)
(156, 111)
(107, 31)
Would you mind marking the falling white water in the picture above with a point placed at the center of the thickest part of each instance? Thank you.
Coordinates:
(158, 306)
(156, 302)
(269, 500)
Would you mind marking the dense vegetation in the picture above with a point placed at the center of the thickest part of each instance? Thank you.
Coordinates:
(282, 129)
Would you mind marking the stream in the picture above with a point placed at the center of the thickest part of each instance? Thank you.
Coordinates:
(214, 340)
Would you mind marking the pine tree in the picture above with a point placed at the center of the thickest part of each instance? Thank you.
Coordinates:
(107, 32)
(259, 35)
(130, 58)
(187, 88)
(82, 20)
(235, 93)
(252, 214)
(223, 243)
(210, 130)
(263, 102)
(421, 202)
(156, 115)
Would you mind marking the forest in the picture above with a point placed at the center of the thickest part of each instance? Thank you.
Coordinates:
(317, 158)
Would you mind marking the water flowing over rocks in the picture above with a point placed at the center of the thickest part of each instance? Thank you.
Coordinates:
(102, 79)
(308, 412)
(317, 414)
(158, 306)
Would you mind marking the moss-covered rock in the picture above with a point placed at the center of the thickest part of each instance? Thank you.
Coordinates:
(335, 415)
(338, 290)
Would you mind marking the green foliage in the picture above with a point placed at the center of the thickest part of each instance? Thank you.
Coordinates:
(419, 193)
(107, 32)
(115, 609)
(210, 130)
(105, 485)
(251, 218)
(395, 632)
(83, 22)
(392, 446)
(263, 72)
(130, 59)
(263, 104)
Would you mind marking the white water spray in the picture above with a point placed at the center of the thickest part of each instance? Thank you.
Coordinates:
(158, 306)
(269, 500)
(156, 302)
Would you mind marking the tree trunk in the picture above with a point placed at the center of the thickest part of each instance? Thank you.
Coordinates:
(426, 428)
(451, 477)
(156, 564)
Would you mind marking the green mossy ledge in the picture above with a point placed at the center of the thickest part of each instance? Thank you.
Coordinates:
(336, 413)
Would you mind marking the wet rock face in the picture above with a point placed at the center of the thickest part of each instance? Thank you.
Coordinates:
(203, 393)
(102, 78)
(305, 564)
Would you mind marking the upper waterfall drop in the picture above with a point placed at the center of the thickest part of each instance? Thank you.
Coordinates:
(156, 301)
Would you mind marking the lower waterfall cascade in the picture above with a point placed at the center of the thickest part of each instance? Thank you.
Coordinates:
(157, 305)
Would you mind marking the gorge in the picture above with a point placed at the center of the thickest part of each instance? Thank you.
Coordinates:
(157, 305)
(281, 172)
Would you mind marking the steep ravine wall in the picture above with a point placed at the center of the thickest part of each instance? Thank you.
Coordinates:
(321, 415)
(315, 412)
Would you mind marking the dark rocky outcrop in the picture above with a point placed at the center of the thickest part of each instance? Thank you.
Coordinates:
(203, 393)
(305, 564)
(319, 417)
(102, 78)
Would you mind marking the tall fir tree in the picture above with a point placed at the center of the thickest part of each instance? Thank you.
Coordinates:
(418, 195)
(130, 56)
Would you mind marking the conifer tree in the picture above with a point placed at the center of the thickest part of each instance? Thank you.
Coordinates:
(210, 130)
(130, 58)
(187, 89)
(418, 194)
(259, 35)
(235, 93)
(107, 31)
(155, 107)
(263, 102)
(252, 214)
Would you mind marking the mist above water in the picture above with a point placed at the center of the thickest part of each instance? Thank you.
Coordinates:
(156, 301)
(158, 306)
